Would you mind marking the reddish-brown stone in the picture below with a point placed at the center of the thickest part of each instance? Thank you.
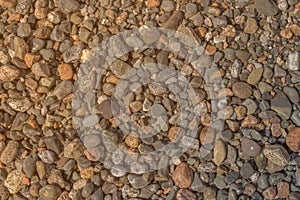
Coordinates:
(183, 175)
(293, 139)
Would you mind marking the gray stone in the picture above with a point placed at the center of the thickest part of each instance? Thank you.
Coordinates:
(267, 7)
(120, 68)
(247, 171)
(263, 182)
(281, 104)
(57, 35)
(157, 110)
(118, 170)
(29, 165)
(249, 147)
(90, 121)
(91, 140)
(87, 190)
(168, 5)
(98, 194)
(293, 61)
(292, 94)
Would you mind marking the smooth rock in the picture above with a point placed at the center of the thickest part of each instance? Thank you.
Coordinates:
(13, 182)
(255, 76)
(9, 152)
(220, 152)
(183, 175)
(242, 90)
(293, 61)
(281, 104)
(8, 73)
(293, 139)
(267, 7)
(249, 147)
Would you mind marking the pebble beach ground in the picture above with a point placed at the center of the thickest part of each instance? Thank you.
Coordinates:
(149, 99)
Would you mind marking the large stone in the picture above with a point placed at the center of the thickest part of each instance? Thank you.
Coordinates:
(277, 154)
(8, 3)
(250, 148)
(68, 6)
(8, 73)
(281, 104)
(10, 151)
(183, 175)
(13, 182)
(293, 139)
(266, 7)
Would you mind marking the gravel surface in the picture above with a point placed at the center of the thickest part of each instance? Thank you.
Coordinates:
(149, 99)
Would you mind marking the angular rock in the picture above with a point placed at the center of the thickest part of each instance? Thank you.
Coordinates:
(293, 61)
(49, 192)
(41, 69)
(281, 104)
(277, 154)
(8, 3)
(251, 26)
(119, 68)
(8, 73)
(20, 104)
(68, 6)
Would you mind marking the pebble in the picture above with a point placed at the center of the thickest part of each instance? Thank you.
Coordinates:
(105, 109)
(68, 6)
(73, 53)
(21, 104)
(242, 90)
(292, 94)
(63, 89)
(295, 29)
(8, 73)
(286, 33)
(293, 139)
(281, 104)
(220, 152)
(175, 134)
(270, 192)
(119, 68)
(249, 147)
(49, 192)
(157, 110)
(29, 165)
(277, 154)
(255, 76)
(246, 171)
(47, 156)
(153, 3)
(65, 71)
(118, 170)
(24, 29)
(183, 175)
(41, 70)
(13, 182)
(8, 3)
(10, 151)
(293, 61)
(250, 26)
(268, 7)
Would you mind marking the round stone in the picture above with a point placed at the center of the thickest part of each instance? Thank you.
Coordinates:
(242, 90)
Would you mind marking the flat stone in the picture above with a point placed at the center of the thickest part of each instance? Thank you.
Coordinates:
(29, 165)
(281, 104)
(105, 109)
(249, 147)
(251, 26)
(13, 181)
(292, 94)
(183, 175)
(293, 139)
(267, 7)
(68, 6)
(63, 89)
(277, 154)
(9, 152)
(49, 192)
(293, 61)
(41, 70)
(220, 152)
(255, 76)
(242, 90)
(20, 47)
(8, 73)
